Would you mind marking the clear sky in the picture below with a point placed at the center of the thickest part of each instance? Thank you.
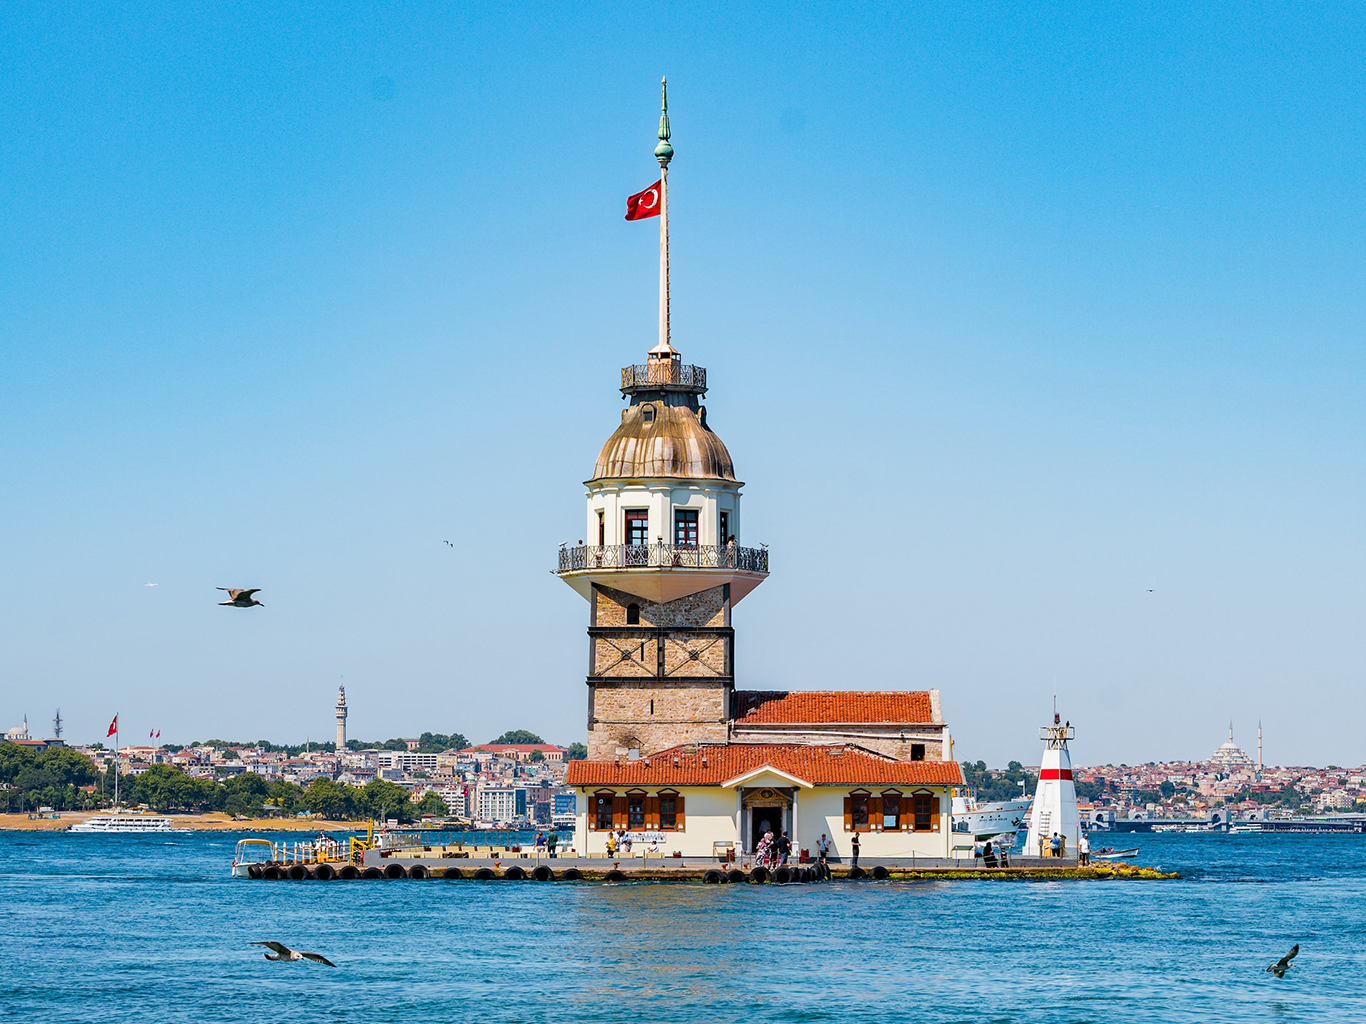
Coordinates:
(1035, 334)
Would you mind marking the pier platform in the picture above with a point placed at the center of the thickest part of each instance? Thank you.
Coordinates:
(378, 865)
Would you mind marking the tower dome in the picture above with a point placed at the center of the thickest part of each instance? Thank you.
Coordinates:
(658, 440)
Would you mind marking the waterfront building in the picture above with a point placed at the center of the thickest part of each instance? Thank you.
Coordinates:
(675, 752)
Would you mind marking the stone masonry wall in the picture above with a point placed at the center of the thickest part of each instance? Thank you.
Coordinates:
(707, 608)
(654, 716)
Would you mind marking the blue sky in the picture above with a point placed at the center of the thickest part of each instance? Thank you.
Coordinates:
(1035, 334)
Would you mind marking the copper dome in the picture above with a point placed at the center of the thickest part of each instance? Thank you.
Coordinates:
(657, 440)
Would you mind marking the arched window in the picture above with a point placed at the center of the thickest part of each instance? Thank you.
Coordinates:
(633, 614)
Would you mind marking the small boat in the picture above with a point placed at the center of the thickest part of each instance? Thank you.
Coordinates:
(124, 823)
(251, 852)
(1109, 854)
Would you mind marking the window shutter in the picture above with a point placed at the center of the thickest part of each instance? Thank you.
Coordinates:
(652, 813)
(678, 806)
(934, 814)
(875, 814)
(618, 812)
(848, 814)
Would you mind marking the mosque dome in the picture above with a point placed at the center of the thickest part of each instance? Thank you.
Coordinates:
(657, 439)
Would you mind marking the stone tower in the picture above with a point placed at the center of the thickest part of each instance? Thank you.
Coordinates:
(661, 569)
(341, 718)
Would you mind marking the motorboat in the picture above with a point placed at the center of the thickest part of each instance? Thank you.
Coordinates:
(249, 852)
(1109, 854)
(124, 823)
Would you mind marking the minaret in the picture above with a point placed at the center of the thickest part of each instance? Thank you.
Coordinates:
(1054, 809)
(341, 719)
(662, 566)
(1259, 744)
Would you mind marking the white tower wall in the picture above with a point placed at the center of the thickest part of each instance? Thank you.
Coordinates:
(341, 719)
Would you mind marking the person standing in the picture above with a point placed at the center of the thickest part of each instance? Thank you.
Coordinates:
(784, 849)
(551, 842)
(854, 843)
(822, 849)
(1084, 851)
(1055, 845)
(540, 843)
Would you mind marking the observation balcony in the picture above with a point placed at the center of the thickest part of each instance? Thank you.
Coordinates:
(663, 572)
(664, 375)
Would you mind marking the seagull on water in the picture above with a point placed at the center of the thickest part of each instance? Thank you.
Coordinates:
(1283, 964)
(284, 954)
(240, 598)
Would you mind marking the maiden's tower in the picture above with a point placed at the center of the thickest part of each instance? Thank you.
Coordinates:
(676, 754)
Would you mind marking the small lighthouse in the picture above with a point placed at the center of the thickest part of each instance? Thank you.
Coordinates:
(1054, 811)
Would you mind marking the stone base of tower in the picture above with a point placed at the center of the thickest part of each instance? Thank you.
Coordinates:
(641, 717)
(660, 673)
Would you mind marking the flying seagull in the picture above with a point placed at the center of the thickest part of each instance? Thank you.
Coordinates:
(286, 955)
(448, 544)
(241, 598)
(1283, 964)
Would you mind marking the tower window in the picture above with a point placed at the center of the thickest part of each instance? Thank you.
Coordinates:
(638, 527)
(917, 751)
(602, 529)
(633, 614)
(647, 413)
(685, 528)
(725, 528)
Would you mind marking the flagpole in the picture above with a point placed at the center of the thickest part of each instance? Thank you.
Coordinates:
(116, 764)
(664, 153)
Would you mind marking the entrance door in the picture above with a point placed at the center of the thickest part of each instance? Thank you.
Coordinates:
(765, 819)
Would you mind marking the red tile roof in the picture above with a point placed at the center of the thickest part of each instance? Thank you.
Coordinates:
(793, 707)
(711, 764)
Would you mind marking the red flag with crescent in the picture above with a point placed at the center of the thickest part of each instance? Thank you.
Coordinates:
(644, 204)
(113, 726)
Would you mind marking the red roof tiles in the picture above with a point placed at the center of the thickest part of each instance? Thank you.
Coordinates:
(793, 707)
(713, 764)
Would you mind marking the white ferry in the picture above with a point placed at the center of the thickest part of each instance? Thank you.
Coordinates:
(989, 820)
(123, 823)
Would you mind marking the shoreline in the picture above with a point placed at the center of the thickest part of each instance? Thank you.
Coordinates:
(214, 822)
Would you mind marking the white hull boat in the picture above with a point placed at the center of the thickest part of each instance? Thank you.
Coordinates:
(988, 820)
(124, 823)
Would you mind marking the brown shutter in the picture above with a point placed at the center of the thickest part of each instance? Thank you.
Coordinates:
(848, 814)
(618, 812)
(652, 812)
(678, 806)
(934, 814)
(875, 814)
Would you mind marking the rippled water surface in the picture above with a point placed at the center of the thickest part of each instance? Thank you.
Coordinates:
(136, 927)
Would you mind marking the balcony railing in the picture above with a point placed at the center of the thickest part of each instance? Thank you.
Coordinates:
(664, 372)
(662, 556)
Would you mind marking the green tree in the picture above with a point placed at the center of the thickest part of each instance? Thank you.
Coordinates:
(1168, 789)
(576, 752)
(380, 799)
(330, 799)
(518, 736)
(431, 804)
(535, 755)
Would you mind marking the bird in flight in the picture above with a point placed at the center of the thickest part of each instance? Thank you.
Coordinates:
(448, 544)
(284, 954)
(240, 598)
(1283, 964)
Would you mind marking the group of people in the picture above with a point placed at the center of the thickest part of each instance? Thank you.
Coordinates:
(771, 851)
(547, 843)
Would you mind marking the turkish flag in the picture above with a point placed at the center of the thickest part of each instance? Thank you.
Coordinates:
(644, 204)
(113, 726)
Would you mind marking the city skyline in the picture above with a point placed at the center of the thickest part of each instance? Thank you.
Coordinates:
(1042, 373)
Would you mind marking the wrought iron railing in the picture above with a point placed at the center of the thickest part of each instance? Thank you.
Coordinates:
(659, 556)
(664, 372)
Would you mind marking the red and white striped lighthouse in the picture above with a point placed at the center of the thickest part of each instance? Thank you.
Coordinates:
(1054, 811)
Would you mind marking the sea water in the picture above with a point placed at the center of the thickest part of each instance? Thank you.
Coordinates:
(152, 928)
